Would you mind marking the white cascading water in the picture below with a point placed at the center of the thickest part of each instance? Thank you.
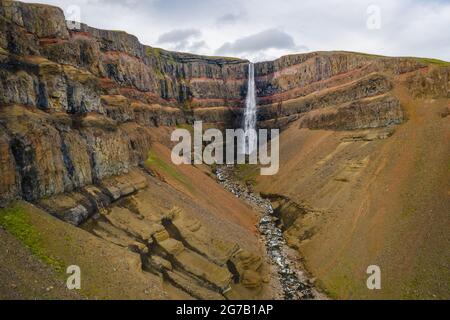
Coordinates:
(250, 112)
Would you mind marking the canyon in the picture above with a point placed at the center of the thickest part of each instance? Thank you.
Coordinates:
(87, 177)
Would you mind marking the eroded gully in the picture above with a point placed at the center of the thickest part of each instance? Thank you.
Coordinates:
(294, 282)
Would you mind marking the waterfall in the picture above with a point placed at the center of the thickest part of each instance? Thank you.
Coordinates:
(250, 113)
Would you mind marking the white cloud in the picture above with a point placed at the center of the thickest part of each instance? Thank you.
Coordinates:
(408, 27)
(182, 40)
(261, 46)
(230, 18)
(267, 39)
(178, 35)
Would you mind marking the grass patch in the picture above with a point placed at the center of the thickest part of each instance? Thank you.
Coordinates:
(369, 55)
(187, 127)
(246, 173)
(438, 62)
(148, 51)
(153, 161)
(16, 221)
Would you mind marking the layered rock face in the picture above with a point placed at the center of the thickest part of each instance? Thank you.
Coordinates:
(169, 241)
(328, 82)
(77, 103)
(80, 108)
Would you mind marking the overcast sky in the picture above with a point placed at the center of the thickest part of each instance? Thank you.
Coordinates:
(261, 30)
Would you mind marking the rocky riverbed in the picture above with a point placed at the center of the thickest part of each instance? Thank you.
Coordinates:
(294, 282)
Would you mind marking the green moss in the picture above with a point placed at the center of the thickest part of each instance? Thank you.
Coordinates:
(156, 53)
(246, 173)
(148, 51)
(185, 126)
(16, 221)
(186, 106)
(369, 55)
(225, 58)
(437, 62)
(153, 161)
(188, 127)
(434, 61)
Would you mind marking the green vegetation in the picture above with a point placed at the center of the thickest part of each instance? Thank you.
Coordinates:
(434, 61)
(188, 127)
(370, 55)
(153, 161)
(148, 51)
(225, 58)
(186, 106)
(16, 221)
(156, 53)
(246, 173)
(437, 62)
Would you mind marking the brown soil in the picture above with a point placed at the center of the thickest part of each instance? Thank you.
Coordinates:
(374, 201)
(23, 276)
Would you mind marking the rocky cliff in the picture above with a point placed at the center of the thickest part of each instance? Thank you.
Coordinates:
(89, 96)
(76, 104)
(80, 108)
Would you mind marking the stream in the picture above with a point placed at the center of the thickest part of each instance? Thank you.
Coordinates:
(294, 283)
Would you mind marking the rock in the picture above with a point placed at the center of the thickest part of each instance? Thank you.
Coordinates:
(245, 260)
(196, 264)
(76, 215)
(128, 221)
(10, 186)
(171, 246)
(76, 106)
(118, 108)
(161, 235)
(200, 239)
(246, 264)
(192, 288)
(251, 279)
(161, 263)
(368, 113)
(115, 235)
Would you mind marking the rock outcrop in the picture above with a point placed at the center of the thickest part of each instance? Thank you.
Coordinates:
(77, 103)
(81, 107)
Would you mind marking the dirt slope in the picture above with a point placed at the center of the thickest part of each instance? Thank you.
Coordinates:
(372, 199)
(176, 237)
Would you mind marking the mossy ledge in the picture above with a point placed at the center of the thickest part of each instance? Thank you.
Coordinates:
(158, 164)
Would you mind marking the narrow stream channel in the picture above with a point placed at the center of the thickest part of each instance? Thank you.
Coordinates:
(294, 283)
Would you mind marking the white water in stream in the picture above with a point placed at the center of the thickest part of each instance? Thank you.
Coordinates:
(250, 113)
(294, 282)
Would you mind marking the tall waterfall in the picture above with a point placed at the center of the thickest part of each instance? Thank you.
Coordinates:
(250, 112)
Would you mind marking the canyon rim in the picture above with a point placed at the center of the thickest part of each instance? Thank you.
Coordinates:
(87, 179)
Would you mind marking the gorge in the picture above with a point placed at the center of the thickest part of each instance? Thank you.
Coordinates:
(87, 177)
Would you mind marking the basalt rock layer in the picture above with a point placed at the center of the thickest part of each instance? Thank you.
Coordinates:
(80, 109)
(77, 101)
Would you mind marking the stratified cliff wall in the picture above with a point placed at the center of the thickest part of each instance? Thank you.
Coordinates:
(294, 85)
(77, 104)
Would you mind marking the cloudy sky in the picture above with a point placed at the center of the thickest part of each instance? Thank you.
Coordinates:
(262, 30)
